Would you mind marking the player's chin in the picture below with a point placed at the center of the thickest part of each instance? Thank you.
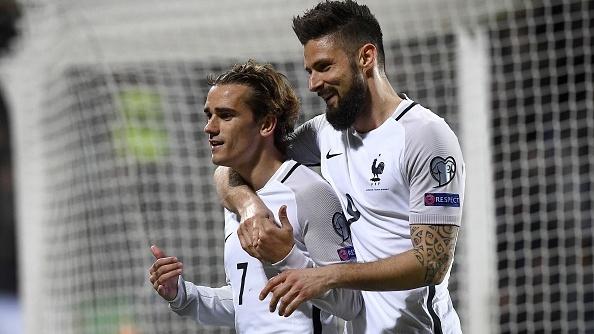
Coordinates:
(219, 160)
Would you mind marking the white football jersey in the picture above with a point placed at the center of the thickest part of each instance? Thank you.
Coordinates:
(407, 171)
(315, 213)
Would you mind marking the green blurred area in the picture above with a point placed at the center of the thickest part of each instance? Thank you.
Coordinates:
(107, 316)
(141, 134)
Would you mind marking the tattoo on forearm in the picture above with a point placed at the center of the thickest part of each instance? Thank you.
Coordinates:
(434, 249)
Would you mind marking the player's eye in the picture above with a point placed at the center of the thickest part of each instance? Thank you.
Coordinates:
(323, 67)
(226, 116)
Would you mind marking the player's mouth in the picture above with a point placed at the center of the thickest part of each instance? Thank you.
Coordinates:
(214, 144)
(329, 95)
(329, 98)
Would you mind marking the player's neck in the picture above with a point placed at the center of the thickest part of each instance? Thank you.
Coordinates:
(261, 168)
(383, 101)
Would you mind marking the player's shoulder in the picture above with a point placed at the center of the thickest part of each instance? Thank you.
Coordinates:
(422, 124)
(419, 116)
(306, 182)
(303, 175)
(320, 124)
(319, 120)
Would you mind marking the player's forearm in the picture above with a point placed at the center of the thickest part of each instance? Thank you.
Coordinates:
(205, 305)
(400, 272)
(234, 193)
(427, 263)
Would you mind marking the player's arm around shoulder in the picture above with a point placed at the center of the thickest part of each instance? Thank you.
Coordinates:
(238, 197)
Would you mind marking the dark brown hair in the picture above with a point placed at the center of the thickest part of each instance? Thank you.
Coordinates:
(352, 25)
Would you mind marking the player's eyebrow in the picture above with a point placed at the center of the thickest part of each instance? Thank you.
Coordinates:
(224, 109)
(221, 109)
(318, 63)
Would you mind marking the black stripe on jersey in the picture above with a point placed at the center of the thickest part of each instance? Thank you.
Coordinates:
(406, 110)
(436, 321)
(227, 237)
(317, 322)
(290, 172)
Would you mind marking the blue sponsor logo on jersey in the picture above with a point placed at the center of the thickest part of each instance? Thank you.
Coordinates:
(442, 199)
(347, 253)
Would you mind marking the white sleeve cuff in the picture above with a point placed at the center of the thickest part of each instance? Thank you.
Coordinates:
(181, 297)
(432, 219)
(296, 259)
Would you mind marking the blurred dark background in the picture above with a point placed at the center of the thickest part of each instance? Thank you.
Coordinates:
(9, 14)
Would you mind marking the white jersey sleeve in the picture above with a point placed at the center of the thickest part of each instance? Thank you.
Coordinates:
(303, 142)
(324, 231)
(435, 169)
(205, 305)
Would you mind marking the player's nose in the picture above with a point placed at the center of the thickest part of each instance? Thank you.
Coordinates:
(315, 82)
(211, 126)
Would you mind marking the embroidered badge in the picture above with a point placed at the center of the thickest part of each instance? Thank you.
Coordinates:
(443, 170)
(347, 253)
(341, 227)
(442, 199)
(376, 170)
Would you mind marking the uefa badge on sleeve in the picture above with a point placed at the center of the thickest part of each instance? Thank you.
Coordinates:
(443, 170)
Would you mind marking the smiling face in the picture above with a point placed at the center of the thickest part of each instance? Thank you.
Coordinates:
(233, 134)
(335, 77)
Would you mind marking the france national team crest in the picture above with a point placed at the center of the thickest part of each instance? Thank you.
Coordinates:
(377, 168)
(443, 170)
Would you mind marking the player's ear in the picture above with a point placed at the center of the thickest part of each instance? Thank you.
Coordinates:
(268, 125)
(367, 57)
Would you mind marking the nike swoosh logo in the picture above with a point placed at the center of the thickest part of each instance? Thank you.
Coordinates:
(328, 155)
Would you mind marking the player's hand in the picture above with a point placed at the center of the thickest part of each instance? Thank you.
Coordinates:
(249, 229)
(274, 243)
(293, 287)
(164, 274)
